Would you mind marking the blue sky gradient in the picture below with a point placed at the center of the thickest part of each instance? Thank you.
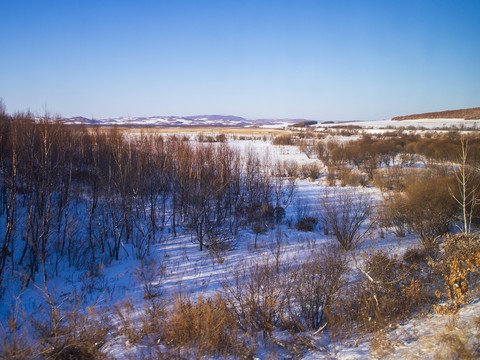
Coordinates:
(315, 59)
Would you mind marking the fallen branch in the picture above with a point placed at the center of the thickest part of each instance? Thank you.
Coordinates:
(319, 330)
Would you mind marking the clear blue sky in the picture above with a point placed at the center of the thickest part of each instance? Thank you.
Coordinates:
(314, 59)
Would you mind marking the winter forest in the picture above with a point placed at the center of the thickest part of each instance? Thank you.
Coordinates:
(297, 243)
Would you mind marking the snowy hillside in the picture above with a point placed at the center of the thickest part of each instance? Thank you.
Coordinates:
(179, 121)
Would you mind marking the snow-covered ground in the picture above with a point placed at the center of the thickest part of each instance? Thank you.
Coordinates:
(420, 123)
(431, 336)
(199, 273)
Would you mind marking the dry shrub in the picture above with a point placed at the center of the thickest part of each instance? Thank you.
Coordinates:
(73, 334)
(283, 140)
(221, 138)
(259, 296)
(476, 208)
(15, 341)
(456, 345)
(381, 182)
(211, 139)
(317, 284)
(150, 274)
(391, 178)
(218, 251)
(278, 169)
(344, 173)
(399, 289)
(291, 168)
(466, 247)
(322, 152)
(377, 302)
(390, 293)
(419, 256)
(425, 209)
(127, 327)
(348, 176)
(153, 323)
(296, 345)
(258, 212)
(393, 214)
(357, 179)
(59, 329)
(431, 208)
(331, 176)
(459, 271)
(205, 328)
(311, 170)
(81, 337)
(306, 223)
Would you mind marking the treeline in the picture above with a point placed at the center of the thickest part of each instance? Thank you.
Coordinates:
(68, 193)
(387, 160)
(379, 151)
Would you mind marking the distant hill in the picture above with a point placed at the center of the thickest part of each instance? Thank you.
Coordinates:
(180, 121)
(467, 114)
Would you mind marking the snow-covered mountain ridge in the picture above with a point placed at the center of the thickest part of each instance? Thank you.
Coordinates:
(196, 120)
(237, 121)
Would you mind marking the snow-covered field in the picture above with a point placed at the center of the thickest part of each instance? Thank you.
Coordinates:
(196, 273)
(420, 123)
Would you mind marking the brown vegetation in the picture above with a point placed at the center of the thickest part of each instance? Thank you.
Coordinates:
(203, 328)
(131, 190)
(426, 208)
(467, 114)
(283, 140)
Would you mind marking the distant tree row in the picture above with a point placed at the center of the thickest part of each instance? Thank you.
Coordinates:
(372, 152)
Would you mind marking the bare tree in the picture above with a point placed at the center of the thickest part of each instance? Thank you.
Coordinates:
(205, 209)
(41, 171)
(345, 213)
(283, 191)
(3, 108)
(468, 193)
(8, 188)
